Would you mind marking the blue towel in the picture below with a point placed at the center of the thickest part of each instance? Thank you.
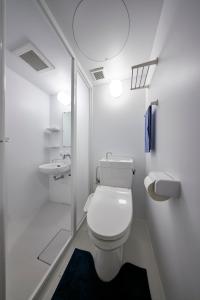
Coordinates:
(148, 124)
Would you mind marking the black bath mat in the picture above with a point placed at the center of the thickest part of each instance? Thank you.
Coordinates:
(80, 282)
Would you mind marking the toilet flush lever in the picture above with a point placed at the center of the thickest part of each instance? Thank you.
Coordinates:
(97, 177)
(107, 153)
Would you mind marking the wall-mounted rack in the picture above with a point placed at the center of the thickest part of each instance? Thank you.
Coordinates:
(142, 74)
(52, 129)
(53, 147)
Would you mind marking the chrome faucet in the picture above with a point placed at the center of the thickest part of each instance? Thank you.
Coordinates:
(66, 155)
(107, 153)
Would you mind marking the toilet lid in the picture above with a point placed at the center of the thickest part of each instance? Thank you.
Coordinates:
(110, 212)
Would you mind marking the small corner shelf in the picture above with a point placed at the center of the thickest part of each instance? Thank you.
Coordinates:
(142, 74)
(53, 147)
(52, 129)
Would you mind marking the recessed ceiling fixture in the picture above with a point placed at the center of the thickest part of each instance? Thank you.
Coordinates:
(97, 73)
(115, 88)
(101, 28)
(142, 74)
(34, 58)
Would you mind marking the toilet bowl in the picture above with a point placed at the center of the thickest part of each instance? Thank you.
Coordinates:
(109, 216)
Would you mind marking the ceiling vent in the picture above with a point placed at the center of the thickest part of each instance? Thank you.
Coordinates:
(34, 58)
(97, 74)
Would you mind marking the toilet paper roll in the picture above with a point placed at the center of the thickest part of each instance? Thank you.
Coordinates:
(149, 183)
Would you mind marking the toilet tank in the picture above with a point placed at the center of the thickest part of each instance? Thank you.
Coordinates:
(116, 171)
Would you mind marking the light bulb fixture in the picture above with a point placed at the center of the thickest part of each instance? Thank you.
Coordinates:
(64, 98)
(115, 88)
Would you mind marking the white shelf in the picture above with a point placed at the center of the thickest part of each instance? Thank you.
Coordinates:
(52, 129)
(53, 147)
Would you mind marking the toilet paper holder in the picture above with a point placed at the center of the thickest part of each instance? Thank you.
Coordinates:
(161, 186)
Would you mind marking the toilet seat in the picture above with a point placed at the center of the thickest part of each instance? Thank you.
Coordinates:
(109, 214)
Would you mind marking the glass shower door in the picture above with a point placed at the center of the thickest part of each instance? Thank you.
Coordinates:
(2, 152)
(38, 156)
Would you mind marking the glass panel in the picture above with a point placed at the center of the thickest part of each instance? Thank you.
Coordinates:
(82, 131)
(38, 163)
(66, 129)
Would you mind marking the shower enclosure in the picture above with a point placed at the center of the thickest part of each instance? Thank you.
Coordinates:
(45, 141)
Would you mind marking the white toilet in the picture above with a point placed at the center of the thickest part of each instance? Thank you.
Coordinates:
(109, 215)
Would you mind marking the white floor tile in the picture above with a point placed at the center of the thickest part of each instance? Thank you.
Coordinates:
(138, 250)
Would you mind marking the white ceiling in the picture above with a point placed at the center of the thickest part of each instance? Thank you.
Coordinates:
(108, 35)
(100, 29)
(26, 23)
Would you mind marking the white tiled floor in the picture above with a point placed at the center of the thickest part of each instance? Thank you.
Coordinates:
(137, 250)
(24, 270)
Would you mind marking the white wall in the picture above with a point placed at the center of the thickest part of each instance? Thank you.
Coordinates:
(82, 151)
(119, 128)
(175, 224)
(27, 116)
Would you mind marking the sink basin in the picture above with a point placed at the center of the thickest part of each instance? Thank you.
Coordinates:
(117, 162)
(57, 168)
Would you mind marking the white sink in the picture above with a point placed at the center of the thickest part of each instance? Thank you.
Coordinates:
(55, 168)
